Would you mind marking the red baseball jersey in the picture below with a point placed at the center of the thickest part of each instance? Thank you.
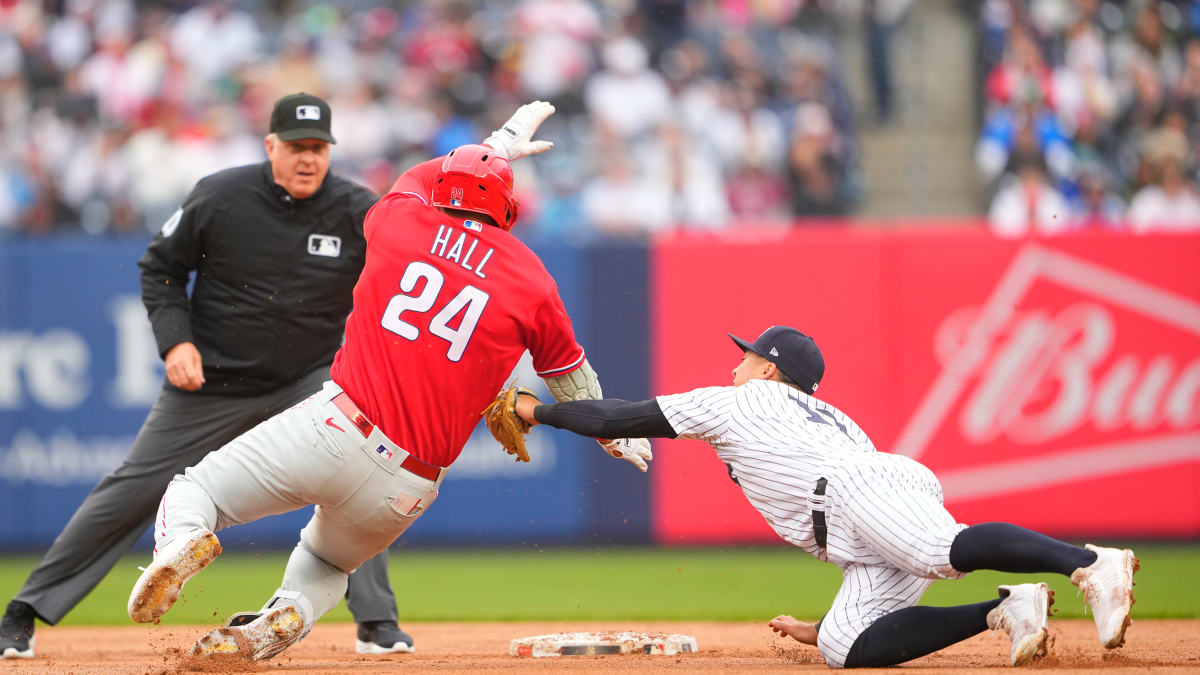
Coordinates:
(443, 311)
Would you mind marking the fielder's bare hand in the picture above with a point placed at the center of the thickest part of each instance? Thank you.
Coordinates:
(514, 139)
(801, 631)
(184, 367)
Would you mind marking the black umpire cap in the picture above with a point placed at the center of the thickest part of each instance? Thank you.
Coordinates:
(793, 352)
(299, 116)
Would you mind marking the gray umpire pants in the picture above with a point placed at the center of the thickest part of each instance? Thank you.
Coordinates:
(181, 429)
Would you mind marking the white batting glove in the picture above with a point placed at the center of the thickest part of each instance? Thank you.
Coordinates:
(514, 138)
(636, 451)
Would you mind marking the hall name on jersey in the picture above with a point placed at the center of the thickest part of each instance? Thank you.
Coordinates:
(444, 249)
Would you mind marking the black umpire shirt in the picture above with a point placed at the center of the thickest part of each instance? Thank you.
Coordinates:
(274, 277)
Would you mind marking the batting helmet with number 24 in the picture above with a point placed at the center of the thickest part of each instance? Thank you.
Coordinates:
(474, 178)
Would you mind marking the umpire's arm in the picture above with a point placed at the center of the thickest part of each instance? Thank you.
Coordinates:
(600, 418)
(170, 258)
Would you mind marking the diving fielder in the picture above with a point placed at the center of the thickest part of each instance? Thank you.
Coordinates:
(820, 483)
(447, 303)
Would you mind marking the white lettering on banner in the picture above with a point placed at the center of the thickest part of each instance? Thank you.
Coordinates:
(51, 369)
(1061, 354)
(482, 458)
(139, 369)
(55, 364)
(1034, 376)
(62, 458)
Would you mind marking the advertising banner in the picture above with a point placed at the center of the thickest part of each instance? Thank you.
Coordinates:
(1051, 383)
(79, 371)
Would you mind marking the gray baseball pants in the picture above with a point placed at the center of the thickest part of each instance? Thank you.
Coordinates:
(181, 429)
(311, 453)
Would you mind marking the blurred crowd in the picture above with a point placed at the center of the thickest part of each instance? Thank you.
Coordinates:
(1092, 115)
(671, 113)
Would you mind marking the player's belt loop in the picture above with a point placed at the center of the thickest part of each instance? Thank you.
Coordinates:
(820, 531)
(352, 413)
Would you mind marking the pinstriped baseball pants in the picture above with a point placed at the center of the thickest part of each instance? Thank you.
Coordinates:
(893, 540)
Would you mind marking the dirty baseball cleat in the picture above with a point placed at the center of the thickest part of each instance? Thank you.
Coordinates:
(260, 639)
(16, 631)
(1108, 586)
(1024, 614)
(159, 586)
(382, 637)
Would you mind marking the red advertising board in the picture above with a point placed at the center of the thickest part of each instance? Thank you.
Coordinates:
(1052, 383)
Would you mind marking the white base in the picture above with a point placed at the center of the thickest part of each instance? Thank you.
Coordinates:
(601, 643)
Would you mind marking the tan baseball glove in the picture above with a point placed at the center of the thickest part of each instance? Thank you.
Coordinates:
(501, 419)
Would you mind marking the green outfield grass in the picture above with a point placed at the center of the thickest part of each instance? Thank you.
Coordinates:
(587, 584)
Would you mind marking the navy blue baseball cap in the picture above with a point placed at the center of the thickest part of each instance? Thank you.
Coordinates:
(793, 352)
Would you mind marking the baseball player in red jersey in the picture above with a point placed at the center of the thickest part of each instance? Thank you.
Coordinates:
(447, 303)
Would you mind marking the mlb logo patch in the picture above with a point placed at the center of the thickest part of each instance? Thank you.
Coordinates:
(456, 195)
(325, 245)
(308, 112)
(387, 454)
(473, 226)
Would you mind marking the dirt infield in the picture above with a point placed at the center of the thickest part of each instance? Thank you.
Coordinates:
(1160, 646)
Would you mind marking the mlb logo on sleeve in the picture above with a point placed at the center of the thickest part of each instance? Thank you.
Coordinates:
(308, 112)
(325, 245)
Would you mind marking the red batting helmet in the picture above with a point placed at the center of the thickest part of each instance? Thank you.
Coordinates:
(474, 178)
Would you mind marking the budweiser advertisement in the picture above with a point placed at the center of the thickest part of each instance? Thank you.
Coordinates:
(1051, 383)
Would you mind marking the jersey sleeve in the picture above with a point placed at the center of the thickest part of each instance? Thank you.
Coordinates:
(170, 258)
(552, 339)
(416, 183)
(701, 413)
(419, 180)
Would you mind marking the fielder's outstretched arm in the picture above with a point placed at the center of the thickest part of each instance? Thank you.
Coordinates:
(603, 418)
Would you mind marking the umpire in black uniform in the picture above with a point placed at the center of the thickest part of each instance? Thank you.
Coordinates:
(276, 249)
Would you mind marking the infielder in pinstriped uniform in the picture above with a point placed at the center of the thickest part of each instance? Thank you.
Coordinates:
(822, 486)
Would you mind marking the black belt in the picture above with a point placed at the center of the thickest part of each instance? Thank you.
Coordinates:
(820, 531)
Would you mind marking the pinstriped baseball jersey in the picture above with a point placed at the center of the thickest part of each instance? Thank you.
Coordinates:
(777, 441)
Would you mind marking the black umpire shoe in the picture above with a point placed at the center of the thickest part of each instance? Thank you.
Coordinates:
(16, 631)
(382, 637)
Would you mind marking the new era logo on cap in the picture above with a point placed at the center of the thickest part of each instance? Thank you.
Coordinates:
(308, 112)
(794, 353)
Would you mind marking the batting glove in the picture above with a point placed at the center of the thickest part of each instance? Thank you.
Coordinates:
(514, 138)
(636, 451)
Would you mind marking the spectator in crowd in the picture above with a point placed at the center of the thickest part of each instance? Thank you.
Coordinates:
(1027, 203)
(1169, 203)
(1097, 206)
(627, 97)
(815, 174)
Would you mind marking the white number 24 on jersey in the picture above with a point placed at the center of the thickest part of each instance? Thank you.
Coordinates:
(470, 301)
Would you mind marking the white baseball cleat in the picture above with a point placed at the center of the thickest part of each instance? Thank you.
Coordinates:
(159, 586)
(1024, 614)
(1108, 586)
(260, 639)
